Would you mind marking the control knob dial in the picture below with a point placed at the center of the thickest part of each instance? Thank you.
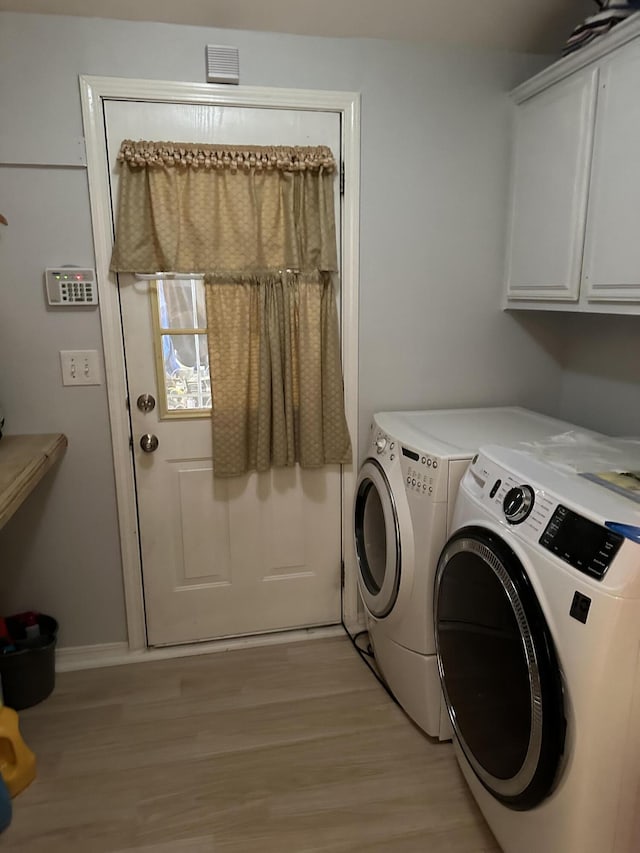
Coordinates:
(518, 503)
(381, 443)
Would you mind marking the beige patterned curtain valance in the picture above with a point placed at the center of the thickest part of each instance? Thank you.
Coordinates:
(186, 207)
(259, 223)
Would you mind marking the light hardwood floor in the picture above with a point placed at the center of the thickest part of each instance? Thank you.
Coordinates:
(280, 749)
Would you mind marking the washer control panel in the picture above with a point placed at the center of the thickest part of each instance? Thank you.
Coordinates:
(582, 543)
(541, 518)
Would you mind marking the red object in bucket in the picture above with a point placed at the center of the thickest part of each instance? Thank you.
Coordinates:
(28, 618)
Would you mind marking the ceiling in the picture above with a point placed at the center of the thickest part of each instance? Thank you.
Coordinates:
(538, 26)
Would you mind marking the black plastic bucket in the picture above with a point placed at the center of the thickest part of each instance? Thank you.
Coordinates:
(28, 665)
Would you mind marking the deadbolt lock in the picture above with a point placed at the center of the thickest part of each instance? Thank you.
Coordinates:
(146, 403)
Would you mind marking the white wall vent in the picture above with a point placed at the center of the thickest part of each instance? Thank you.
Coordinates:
(223, 64)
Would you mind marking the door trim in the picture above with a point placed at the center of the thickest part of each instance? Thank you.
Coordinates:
(94, 92)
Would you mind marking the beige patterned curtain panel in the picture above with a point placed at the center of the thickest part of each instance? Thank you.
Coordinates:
(259, 223)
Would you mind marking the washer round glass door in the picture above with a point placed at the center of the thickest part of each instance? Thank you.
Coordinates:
(498, 667)
(377, 536)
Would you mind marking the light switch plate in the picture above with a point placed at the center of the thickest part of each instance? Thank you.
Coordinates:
(80, 367)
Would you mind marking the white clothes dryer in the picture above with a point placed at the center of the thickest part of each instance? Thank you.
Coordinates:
(537, 617)
(404, 501)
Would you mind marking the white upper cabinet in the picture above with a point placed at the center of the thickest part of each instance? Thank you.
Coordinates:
(612, 247)
(574, 225)
(553, 133)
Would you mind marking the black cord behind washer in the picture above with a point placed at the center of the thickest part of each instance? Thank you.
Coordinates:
(367, 655)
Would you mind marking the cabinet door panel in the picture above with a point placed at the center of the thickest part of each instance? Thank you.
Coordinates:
(552, 152)
(612, 254)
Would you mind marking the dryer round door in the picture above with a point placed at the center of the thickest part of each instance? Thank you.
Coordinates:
(498, 668)
(377, 536)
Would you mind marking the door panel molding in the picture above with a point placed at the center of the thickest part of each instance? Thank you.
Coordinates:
(94, 92)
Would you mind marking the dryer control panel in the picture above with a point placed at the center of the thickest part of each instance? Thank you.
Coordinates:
(424, 474)
(420, 471)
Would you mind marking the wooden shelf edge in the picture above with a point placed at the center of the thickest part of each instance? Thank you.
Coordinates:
(24, 460)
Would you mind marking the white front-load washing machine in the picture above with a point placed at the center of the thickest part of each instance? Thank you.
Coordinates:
(537, 618)
(404, 501)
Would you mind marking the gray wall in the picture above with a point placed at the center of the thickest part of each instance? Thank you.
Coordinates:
(434, 187)
(601, 377)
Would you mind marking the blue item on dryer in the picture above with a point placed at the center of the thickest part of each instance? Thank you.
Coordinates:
(629, 531)
(5, 806)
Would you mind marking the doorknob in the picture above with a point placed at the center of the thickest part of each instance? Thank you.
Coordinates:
(149, 442)
(146, 403)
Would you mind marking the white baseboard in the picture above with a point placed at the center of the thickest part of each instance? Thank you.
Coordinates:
(72, 658)
(91, 657)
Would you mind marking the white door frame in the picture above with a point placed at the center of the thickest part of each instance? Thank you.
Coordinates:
(94, 91)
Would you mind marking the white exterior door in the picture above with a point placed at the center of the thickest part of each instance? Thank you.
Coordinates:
(220, 557)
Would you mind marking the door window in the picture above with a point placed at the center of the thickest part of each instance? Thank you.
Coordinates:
(182, 355)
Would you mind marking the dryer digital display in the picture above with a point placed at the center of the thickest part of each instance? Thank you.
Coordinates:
(586, 546)
(411, 454)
